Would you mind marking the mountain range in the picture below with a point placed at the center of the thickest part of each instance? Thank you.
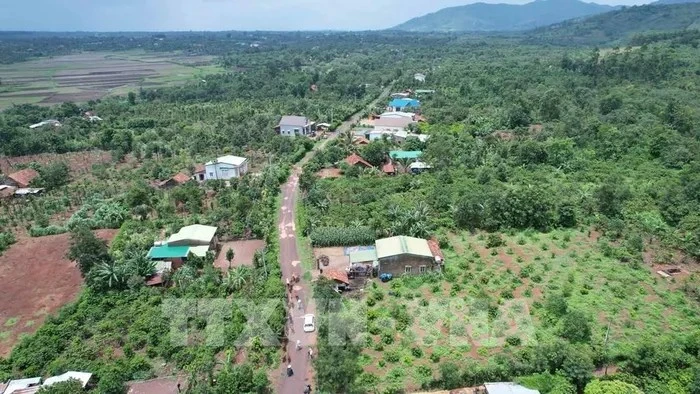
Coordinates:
(508, 17)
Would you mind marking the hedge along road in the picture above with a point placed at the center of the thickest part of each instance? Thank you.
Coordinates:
(291, 265)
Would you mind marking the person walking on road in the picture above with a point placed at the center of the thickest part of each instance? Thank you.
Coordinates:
(298, 303)
(298, 344)
(311, 352)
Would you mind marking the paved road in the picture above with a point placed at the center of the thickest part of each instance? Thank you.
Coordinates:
(291, 265)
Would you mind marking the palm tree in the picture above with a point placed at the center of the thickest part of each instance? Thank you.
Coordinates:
(109, 275)
(139, 265)
(236, 278)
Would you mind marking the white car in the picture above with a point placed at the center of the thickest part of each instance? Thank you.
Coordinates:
(309, 325)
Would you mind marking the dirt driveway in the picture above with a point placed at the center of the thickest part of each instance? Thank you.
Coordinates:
(36, 280)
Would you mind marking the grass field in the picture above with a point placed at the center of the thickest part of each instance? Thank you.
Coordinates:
(93, 75)
(487, 297)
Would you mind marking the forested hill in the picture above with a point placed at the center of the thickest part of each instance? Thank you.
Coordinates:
(502, 17)
(619, 25)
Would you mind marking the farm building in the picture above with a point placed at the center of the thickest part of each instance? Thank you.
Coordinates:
(405, 154)
(22, 178)
(196, 239)
(356, 160)
(392, 124)
(49, 122)
(82, 377)
(223, 168)
(400, 104)
(7, 191)
(176, 180)
(418, 167)
(399, 255)
(420, 77)
(398, 114)
(194, 235)
(291, 126)
(20, 385)
(507, 388)
(28, 191)
(406, 255)
(389, 168)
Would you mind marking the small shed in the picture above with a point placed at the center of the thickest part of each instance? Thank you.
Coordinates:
(508, 388)
(82, 377)
(176, 255)
(22, 178)
(16, 385)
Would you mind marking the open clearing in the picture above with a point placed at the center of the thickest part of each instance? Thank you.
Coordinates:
(90, 76)
(78, 162)
(455, 315)
(37, 279)
(244, 251)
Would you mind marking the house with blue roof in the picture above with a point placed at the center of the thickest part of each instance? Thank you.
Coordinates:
(399, 104)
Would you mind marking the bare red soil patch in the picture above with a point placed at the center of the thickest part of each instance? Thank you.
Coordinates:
(37, 280)
(244, 252)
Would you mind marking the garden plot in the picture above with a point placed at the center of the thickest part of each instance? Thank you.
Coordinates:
(491, 300)
(37, 280)
(90, 76)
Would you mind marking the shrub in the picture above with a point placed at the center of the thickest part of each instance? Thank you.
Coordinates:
(513, 341)
(494, 241)
(342, 236)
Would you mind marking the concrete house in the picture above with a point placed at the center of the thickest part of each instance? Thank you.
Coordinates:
(195, 239)
(420, 77)
(292, 126)
(392, 124)
(400, 255)
(223, 168)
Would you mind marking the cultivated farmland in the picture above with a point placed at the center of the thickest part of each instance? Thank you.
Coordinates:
(38, 279)
(90, 76)
(492, 300)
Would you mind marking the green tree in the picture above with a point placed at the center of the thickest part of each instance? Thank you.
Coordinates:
(229, 257)
(53, 176)
(577, 366)
(576, 327)
(611, 387)
(131, 98)
(375, 152)
(611, 197)
(87, 250)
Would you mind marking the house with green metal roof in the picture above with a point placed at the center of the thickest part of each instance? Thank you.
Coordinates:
(405, 154)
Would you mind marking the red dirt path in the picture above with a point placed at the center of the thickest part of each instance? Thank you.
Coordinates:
(37, 279)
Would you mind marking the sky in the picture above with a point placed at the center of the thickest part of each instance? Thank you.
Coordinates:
(184, 15)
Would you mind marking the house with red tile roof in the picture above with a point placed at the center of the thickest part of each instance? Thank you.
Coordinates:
(355, 159)
(22, 178)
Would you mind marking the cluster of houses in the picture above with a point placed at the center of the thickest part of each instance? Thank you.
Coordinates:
(222, 168)
(408, 160)
(33, 385)
(17, 184)
(88, 115)
(169, 255)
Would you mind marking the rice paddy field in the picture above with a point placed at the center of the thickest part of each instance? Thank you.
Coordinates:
(89, 76)
(487, 297)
